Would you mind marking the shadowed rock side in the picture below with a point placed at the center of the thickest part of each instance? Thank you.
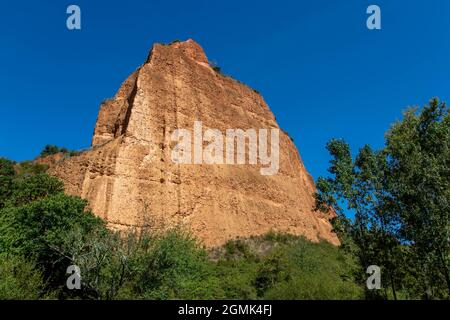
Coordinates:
(129, 177)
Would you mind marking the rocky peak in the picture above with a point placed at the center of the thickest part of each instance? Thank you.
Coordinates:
(131, 180)
(188, 48)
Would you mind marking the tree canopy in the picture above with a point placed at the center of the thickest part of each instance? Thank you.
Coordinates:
(400, 197)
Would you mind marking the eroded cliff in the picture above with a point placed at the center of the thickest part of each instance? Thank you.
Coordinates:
(130, 178)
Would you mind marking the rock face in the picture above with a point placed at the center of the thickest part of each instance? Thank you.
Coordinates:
(129, 176)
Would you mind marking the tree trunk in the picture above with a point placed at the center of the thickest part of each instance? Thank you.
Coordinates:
(393, 287)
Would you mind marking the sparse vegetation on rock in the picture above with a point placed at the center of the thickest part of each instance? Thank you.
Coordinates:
(50, 150)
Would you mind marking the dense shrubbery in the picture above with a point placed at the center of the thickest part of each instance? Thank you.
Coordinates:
(281, 266)
(20, 279)
(53, 230)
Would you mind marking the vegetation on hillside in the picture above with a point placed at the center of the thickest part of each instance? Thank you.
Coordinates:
(43, 231)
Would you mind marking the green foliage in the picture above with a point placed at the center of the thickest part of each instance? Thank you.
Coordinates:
(176, 268)
(31, 229)
(401, 199)
(139, 266)
(20, 279)
(419, 157)
(288, 267)
(73, 153)
(43, 231)
(25, 182)
(6, 168)
(6, 180)
(273, 270)
(104, 259)
(52, 149)
(278, 237)
(26, 168)
(36, 226)
(235, 249)
(299, 269)
(31, 188)
(56, 232)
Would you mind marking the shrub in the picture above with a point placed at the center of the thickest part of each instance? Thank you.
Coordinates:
(103, 258)
(35, 229)
(31, 188)
(215, 67)
(317, 271)
(49, 150)
(6, 180)
(27, 168)
(20, 279)
(176, 268)
(52, 149)
(274, 269)
(235, 249)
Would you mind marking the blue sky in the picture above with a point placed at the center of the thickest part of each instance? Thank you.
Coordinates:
(322, 72)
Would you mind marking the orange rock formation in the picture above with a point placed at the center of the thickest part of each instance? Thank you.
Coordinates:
(129, 177)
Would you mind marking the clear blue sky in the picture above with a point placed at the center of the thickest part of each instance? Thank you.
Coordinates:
(322, 72)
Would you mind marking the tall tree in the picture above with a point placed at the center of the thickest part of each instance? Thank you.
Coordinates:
(400, 197)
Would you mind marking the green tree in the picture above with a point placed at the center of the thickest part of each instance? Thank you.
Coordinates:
(49, 150)
(418, 151)
(7, 174)
(30, 188)
(104, 259)
(34, 229)
(400, 196)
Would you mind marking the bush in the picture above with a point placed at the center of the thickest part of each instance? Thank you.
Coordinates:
(20, 279)
(36, 229)
(316, 271)
(283, 266)
(52, 149)
(27, 168)
(274, 269)
(215, 67)
(103, 258)
(235, 249)
(176, 268)
(6, 180)
(31, 188)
